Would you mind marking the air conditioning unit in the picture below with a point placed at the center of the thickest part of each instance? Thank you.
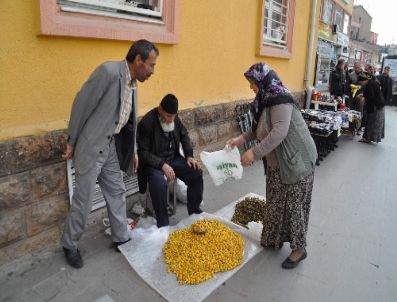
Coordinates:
(342, 51)
(345, 51)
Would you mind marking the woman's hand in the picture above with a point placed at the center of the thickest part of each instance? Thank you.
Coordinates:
(235, 142)
(247, 158)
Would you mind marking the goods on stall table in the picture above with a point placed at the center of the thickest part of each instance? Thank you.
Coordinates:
(197, 252)
(353, 123)
(249, 209)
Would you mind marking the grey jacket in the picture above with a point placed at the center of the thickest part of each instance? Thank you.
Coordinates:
(95, 115)
(297, 153)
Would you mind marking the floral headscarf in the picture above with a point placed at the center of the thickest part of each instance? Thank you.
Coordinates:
(271, 90)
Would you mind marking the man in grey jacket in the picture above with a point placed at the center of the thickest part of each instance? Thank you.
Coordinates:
(101, 141)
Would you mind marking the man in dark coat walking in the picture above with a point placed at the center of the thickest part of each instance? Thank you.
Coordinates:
(337, 81)
(386, 84)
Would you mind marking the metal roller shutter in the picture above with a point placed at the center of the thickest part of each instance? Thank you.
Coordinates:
(131, 184)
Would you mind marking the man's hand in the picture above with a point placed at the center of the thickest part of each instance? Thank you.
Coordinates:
(192, 163)
(69, 152)
(135, 161)
(247, 158)
(235, 141)
(168, 171)
(362, 100)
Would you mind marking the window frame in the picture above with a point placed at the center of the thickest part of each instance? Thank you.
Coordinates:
(275, 50)
(276, 8)
(323, 9)
(102, 7)
(348, 27)
(55, 22)
(336, 7)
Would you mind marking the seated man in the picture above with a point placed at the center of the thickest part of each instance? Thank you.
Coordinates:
(160, 132)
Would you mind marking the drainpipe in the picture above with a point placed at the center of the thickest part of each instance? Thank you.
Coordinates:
(309, 58)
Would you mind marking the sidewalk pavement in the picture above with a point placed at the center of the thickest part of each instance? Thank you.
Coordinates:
(351, 242)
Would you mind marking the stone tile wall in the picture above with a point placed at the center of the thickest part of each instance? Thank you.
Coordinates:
(33, 193)
(34, 197)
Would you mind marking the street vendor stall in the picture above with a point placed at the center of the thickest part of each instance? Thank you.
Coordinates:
(326, 127)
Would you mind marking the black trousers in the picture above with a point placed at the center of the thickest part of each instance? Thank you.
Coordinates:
(158, 188)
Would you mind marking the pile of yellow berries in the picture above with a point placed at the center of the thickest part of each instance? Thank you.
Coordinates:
(197, 252)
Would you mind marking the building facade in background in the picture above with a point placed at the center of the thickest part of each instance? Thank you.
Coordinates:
(333, 38)
(363, 42)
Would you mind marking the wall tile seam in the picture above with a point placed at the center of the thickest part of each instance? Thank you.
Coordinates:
(31, 201)
(20, 240)
(30, 168)
(37, 201)
(43, 229)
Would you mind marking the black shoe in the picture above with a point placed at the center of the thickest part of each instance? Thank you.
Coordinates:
(364, 140)
(196, 211)
(73, 257)
(116, 245)
(289, 264)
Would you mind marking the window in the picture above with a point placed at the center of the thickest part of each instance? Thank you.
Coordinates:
(131, 20)
(357, 55)
(275, 23)
(328, 7)
(354, 32)
(346, 23)
(277, 28)
(323, 73)
(339, 18)
(147, 11)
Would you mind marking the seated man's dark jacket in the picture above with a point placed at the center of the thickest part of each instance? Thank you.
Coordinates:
(149, 138)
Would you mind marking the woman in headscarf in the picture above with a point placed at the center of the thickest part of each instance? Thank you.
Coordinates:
(375, 113)
(291, 155)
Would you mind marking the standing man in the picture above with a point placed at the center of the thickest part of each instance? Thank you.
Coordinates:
(386, 84)
(354, 74)
(101, 142)
(160, 132)
(337, 81)
(355, 102)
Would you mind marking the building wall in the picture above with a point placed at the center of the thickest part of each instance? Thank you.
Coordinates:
(218, 42)
(373, 38)
(325, 30)
(361, 16)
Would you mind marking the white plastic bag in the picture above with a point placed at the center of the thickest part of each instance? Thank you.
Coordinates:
(131, 224)
(138, 209)
(146, 222)
(255, 230)
(181, 191)
(223, 164)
